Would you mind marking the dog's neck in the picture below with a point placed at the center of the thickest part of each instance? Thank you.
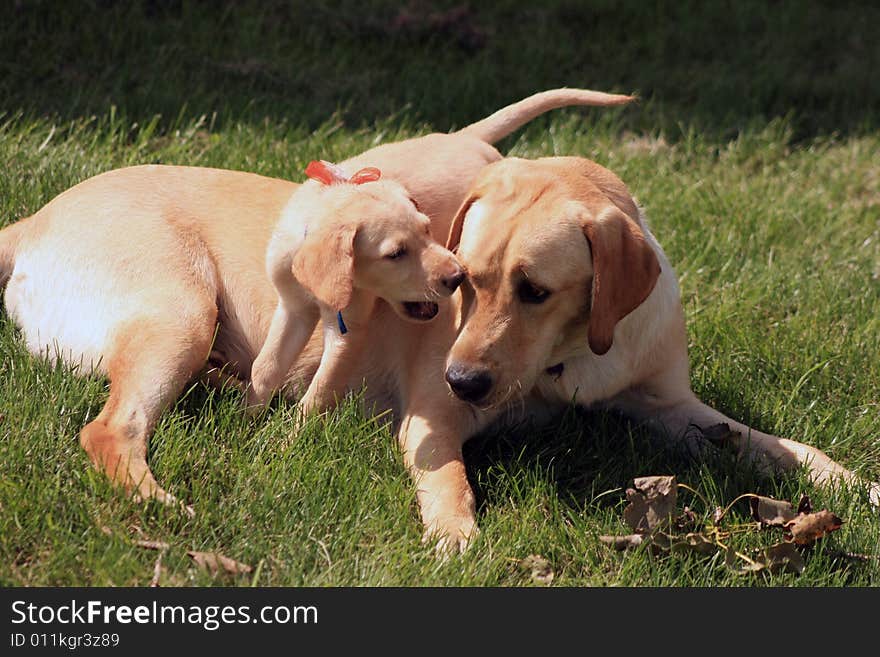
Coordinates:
(355, 316)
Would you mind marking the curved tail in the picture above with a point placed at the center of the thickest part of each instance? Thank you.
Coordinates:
(9, 239)
(507, 119)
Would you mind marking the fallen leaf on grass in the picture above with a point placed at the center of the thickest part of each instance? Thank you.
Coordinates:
(152, 545)
(692, 542)
(782, 557)
(651, 514)
(541, 571)
(651, 503)
(214, 563)
(807, 527)
(770, 512)
(686, 522)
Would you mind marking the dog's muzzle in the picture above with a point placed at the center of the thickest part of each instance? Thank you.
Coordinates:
(468, 384)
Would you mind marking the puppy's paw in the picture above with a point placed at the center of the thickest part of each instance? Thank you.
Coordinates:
(254, 403)
(451, 535)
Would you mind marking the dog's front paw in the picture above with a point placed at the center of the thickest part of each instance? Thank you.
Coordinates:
(451, 535)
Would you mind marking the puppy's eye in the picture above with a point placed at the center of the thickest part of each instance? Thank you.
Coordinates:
(528, 292)
(397, 253)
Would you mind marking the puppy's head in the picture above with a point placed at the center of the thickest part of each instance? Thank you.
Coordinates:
(370, 236)
(553, 253)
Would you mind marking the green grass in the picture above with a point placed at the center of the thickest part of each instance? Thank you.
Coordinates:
(759, 168)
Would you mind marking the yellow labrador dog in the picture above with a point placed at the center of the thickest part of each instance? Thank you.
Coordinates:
(569, 296)
(147, 274)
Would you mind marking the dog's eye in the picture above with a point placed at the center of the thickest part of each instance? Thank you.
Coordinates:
(528, 292)
(397, 253)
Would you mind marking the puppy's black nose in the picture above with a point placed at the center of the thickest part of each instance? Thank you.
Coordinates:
(451, 283)
(471, 385)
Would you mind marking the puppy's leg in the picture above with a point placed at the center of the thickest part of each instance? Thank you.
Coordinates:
(432, 453)
(337, 360)
(679, 416)
(292, 325)
(151, 362)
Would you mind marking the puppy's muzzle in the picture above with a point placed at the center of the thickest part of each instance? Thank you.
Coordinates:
(468, 384)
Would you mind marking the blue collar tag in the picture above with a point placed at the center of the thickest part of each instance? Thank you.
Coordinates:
(342, 327)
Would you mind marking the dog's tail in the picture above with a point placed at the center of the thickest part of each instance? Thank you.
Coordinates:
(507, 119)
(9, 239)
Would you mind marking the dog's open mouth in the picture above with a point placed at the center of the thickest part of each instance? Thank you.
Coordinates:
(421, 311)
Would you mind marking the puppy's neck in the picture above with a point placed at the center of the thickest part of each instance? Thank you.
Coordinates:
(354, 317)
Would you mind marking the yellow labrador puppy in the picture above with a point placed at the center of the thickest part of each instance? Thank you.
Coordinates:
(343, 243)
(147, 273)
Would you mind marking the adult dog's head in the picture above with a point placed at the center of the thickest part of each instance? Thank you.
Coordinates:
(554, 255)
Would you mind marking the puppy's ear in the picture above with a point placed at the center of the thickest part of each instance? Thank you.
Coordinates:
(458, 223)
(324, 264)
(625, 270)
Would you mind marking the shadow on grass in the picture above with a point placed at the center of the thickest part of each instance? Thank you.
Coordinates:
(714, 67)
(592, 457)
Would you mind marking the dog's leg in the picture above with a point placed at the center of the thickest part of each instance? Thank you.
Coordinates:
(148, 368)
(338, 359)
(680, 417)
(292, 325)
(432, 454)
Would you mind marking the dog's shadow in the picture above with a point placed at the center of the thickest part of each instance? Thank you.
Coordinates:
(590, 458)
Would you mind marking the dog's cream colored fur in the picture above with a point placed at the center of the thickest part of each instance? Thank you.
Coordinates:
(151, 274)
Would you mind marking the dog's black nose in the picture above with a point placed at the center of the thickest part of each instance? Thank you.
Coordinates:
(471, 385)
(451, 283)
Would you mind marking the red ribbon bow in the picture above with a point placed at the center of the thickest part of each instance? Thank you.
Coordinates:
(330, 174)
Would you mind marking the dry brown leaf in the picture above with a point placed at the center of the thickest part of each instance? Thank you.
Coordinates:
(782, 557)
(807, 527)
(687, 521)
(152, 545)
(693, 542)
(621, 543)
(651, 503)
(770, 512)
(541, 570)
(214, 563)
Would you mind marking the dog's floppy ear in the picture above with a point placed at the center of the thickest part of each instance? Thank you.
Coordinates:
(458, 223)
(324, 264)
(625, 270)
